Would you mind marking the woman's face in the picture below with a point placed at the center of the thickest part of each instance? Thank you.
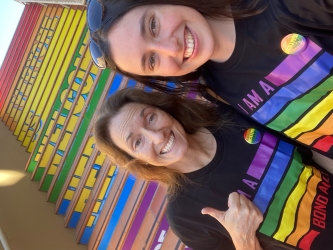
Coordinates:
(161, 40)
(149, 134)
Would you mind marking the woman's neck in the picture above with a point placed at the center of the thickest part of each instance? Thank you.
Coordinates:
(225, 38)
(202, 148)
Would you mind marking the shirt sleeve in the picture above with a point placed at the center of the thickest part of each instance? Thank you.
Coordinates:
(199, 238)
(310, 17)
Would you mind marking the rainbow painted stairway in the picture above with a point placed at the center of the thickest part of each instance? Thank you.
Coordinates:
(49, 91)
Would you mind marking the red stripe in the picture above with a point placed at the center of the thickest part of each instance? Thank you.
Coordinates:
(307, 240)
(324, 144)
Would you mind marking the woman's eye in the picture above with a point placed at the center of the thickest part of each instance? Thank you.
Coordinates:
(153, 26)
(137, 143)
(152, 61)
(151, 118)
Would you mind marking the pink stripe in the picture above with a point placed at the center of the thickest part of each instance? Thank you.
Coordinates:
(262, 157)
(293, 64)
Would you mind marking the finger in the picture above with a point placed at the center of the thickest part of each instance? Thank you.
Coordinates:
(233, 200)
(217, 214)
(248, 203)
(243, 200)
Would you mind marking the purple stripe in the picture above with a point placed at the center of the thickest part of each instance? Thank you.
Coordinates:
(133, 232)
(160, 235)
(191, 95)
(292, 64)
(262, 156)
(306, 81)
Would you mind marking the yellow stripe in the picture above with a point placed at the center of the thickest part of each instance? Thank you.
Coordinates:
(311, 120)
(73, 120)
(49, 105)
(106, 183)
(304, 214)
(289, 212)
(58, 71)
(53, 33)
(23, 61)
(33, 52)
(35, 69)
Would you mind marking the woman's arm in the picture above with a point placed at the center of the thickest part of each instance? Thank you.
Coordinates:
(241, 220)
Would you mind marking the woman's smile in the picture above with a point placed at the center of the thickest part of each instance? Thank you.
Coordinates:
(189, 44)
(169, 146)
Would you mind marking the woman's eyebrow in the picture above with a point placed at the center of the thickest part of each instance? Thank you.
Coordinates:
(128, 137)
(143, 111)
(143, 33)
(143, 24)
(143, 63)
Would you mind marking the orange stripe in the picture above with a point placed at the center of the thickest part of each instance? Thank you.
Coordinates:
(304, 213)
(325, 129)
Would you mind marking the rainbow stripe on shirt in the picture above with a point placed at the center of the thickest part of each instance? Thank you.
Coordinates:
(292, 196)
(302, 107)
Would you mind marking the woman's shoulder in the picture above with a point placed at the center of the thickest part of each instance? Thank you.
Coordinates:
(313, 14)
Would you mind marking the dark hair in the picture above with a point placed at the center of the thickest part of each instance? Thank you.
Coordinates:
(191, 114)
(215, 9)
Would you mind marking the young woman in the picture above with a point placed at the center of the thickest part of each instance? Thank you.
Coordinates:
(270, 59)
(184, 145)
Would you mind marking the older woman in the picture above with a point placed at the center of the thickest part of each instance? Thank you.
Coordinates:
(203, 155)
(271, 60)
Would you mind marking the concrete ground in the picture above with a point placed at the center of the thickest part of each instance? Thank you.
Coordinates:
(27, 220)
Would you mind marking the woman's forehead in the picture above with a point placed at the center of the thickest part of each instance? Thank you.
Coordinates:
(126, 122)
(133, 110)
(126, 43)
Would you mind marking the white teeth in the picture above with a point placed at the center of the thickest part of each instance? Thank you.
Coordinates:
(189, 40)
(169, 145)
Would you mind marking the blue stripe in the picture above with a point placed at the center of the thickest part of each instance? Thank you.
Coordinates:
(131, 83)
(63, 207)
(88, 230)
(273, 176)
(306, 81)
(117, 213)
(115, 84)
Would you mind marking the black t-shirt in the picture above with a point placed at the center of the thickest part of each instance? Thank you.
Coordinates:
(291, 94)
(294, 198)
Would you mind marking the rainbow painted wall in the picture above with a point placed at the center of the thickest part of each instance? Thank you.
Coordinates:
(49, 92)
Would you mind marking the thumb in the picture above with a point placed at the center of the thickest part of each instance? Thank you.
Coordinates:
(217, 214)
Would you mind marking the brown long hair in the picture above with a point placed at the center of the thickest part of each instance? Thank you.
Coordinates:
(191, 114)
(215, 9)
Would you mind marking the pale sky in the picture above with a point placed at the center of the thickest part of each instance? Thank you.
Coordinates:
(10, 14)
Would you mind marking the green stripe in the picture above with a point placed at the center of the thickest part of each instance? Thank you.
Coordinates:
(275, 210)
(299, 106)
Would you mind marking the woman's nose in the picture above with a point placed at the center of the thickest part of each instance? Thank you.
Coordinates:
(156, 136)
(169, 47)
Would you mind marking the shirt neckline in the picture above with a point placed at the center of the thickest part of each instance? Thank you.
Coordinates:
(214, 162)
(238, 51)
